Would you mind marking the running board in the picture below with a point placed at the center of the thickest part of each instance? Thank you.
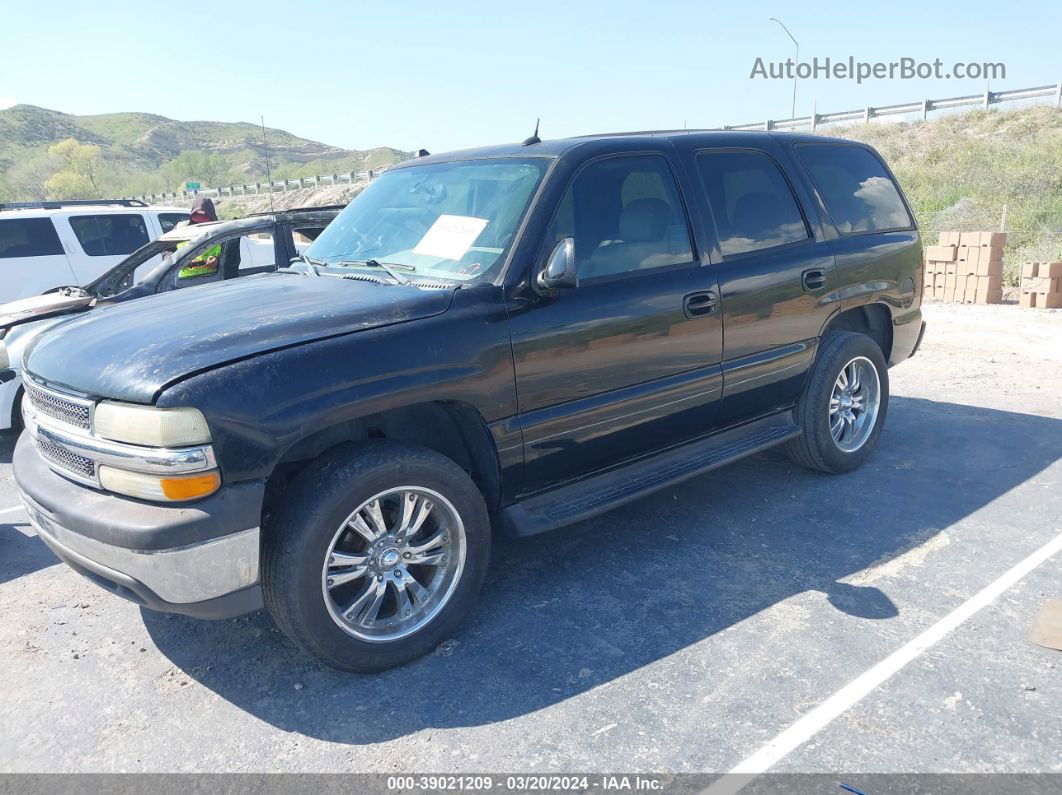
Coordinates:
(600, 493)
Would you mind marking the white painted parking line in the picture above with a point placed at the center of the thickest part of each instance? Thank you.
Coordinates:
(16, 509)
(750, 768)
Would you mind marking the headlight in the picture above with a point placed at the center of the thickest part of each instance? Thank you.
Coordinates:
(150, 426)
(5, 360)
(159, 488)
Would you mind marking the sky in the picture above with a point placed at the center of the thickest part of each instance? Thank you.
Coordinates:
(461, 73)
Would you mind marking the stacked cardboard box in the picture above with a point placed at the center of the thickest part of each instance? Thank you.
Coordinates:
(966, 267)
(1041, 285)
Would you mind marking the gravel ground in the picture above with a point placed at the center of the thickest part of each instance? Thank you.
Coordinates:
(678, 634)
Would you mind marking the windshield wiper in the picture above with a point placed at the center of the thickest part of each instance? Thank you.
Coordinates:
(315, 264)
(373, 263)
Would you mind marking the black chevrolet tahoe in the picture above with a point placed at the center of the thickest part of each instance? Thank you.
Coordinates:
(508, 339)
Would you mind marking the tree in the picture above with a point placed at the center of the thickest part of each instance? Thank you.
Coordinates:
(80, 173)
(128, 182)
(285, 169)
(68, 185)
(29, 177)
(194, 165)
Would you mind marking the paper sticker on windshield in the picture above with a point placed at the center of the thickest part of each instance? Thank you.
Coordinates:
(451, 236)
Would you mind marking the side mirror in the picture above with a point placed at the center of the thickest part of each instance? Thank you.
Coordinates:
(559, 270)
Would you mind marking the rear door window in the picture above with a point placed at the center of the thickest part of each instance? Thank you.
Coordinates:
(304, 235)
(109, 235)
(28, 237)
(169, 220)
(857, 190)
(752, 204)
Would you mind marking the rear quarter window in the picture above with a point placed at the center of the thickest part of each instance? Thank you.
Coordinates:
(858, 192)
(109, 235)
(28, 237)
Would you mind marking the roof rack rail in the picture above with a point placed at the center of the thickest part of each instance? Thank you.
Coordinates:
(59, 204)
(683, 131)
(297, 210)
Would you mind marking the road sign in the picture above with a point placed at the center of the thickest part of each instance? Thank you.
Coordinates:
(192, 186)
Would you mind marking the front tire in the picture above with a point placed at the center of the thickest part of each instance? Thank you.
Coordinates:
(376, 555)
(16, 411)
(843, 407)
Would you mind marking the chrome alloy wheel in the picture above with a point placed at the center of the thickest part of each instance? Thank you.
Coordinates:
(854, 404)
(394, 563)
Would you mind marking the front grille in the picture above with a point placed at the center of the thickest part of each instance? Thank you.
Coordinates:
(64, 459)
(58, 408)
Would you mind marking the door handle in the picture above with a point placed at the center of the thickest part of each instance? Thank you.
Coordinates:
(699, 304)
(813, 279)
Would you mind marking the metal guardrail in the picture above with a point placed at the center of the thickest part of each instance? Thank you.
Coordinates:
(923, 106)
(256, 188)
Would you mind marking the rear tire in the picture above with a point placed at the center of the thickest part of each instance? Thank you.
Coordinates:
(843, 407)
(376, 555)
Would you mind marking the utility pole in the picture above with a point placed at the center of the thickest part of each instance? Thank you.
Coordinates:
(796, 61)
(269, 176)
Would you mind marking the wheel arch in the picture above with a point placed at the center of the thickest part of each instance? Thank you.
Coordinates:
(16, 408)
(452, 428)
(874, 320)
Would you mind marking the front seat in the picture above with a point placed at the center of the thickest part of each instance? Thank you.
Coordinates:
(643, 227)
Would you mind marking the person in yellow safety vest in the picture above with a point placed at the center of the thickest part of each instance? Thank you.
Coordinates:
(207, 262)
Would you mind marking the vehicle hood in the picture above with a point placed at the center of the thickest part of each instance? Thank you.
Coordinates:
(134, 350)
(38, 307)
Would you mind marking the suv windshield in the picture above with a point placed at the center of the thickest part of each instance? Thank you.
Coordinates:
(440, 220)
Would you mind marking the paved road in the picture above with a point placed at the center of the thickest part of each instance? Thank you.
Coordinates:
(681, 633)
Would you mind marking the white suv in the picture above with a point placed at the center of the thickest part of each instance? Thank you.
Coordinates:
(44, 245)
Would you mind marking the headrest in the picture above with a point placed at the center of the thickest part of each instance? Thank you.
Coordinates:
(644, 221)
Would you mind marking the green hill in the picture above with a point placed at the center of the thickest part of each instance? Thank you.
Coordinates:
(966, 171)
(980, 170)
(136, 147)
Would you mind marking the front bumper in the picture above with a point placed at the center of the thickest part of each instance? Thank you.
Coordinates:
(199, 559)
